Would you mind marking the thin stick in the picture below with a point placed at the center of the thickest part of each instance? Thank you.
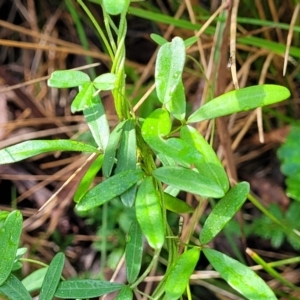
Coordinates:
(290, 36)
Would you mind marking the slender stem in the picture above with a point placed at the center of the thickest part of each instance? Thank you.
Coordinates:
(147, 271)
(107, 23)
(100, 31)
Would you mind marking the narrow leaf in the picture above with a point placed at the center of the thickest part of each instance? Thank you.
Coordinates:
(177, 104)
(10, 237)
(159, 40)
(127, 158)
(125, 293)
(180, 272)
(210, 166)
(31, 148)
(14, 289)
(175, 205)
(189, 181)
(149, 214)
(34, 280)
(224, 211)
(85, 288)
(88, 178)
(169, 66)
(239, 276)
(84, 98)
(68, 78)
(109, 189)
(110, 151)
(240, 100)
(155, 127)
(52, 277)
(133, 252)
(96, 118)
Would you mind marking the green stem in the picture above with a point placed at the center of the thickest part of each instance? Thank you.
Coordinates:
(147, 271)
(98, 28)
(258, 205)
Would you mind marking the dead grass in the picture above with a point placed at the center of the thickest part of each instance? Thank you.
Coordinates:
(37, 38)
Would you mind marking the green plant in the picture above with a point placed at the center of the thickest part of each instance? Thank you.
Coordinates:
(274, 231)
(288, 153)
(127, 157)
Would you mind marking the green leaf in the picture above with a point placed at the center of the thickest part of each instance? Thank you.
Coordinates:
(191, 41)
(52, 277)
(180, 272)
(125, 293)
(127, 158)
(14, 289)
(110, 151)
(88, 178)
(169, 66)
(34, 280)
(158, 125)
(84, 98)
(31, 148)
(189, 181)
(10, 237)
(105, 82)
(240, 100)
(96, 118)
(239, 276)
(133, 252)
(177, 105)
(85, 288)
(149, 214)
(289, 155)
(210, 166)
(20, 253)
(115, 7)
(175, 205)
(159, 40)
(68, 79)
(109, 189)
(224, 211)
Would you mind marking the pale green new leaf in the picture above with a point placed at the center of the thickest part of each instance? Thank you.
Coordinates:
(159, 40)
(68, 79)
(168, 71)
(31, 148)
(34, 280)
(240, 100)
(239, 276)
(105, 81)
(84, 97)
